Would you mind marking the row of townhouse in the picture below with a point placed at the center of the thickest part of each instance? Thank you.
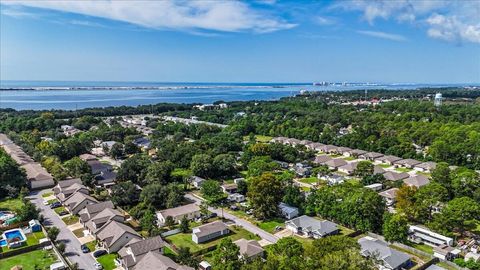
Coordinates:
(361, 154)
(37, 176)
(107, 225)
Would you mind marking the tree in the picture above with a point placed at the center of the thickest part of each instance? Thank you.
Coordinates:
(364, 168)
(76, 167)
(294, 196)
(428, 197)
(265, 193)
(287, 253)
(28, 211)
(52, 233)
(159, 172)
(10, 174)
(405, 204)
(212, 191)
(185, 257)
(116, 151)
(225, 257)
(61, 247)
(465, 182)
(259, 165)
(395, 228)
(134, 169)
(372, 179)
(125, 193)
(460, 215)
(321, 171)
(148, 220)
(169, 222)
(202, 165)
(242, 187)
(184, 225)
(130, 148)
(224, 165)
(441, 175)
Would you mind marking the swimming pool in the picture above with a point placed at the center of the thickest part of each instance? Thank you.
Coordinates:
(16, 234)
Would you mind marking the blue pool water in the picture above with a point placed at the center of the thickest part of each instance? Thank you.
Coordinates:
(10, 235)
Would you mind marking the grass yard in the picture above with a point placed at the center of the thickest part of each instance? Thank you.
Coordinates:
(107, 261)
(422, 247)
(309, 180)
(78, 232)
(402, 169)
(182, 172)
(185, 239)
(344, 230)
(47, 194)
(37, 259)
(91, 245)
(59, 209)
(11, 204)
(269, 226)
(259, 138)
(52, 201)
(446, 266)
(385, 165)
(169, 252)
(70, 220)
(306, 189)
(350, 158)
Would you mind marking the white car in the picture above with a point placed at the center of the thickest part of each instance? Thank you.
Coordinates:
(45, 202)
(98, 266)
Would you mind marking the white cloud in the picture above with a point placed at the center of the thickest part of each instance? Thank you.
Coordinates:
(455, 21)
(324, 21)
(226, 16)
(377, 34)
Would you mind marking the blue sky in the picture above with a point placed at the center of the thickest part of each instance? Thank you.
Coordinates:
(228, 41)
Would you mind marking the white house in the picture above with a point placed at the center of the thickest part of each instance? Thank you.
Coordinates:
(288, 211)
(419, 234)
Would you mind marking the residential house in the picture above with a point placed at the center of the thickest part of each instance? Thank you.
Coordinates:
(389, 258)
(406, 163)
(335, 163)
(292, 141)
(426, 167)
(37, 176)
(349, 168)
(288, 211)
(370, 156)
(282, 164)
(133, 252)
(472, 256)
(108, 144)
(305, 142)
(416, 181)
(210, 231)
(394, 176)
(105, 178)
(302, 170)
(157, 261)
(278, 140)
(445, 252)
(229, 188)
(375, 187)
(98, 167)
(312, 227)
(315, 146)
(236, 197)
(102, 218)
(249, 249)
(435, 267)
(378, 170)
(334, 179)
(142, 142)
(66, 192)
(322, 159)
(92, 209)
(190, 211)
(238, 180)
(356, 153)
(344, 151)
(420, 234)
(114, 235)
(329, 149)
(197, 181)
(78, 201)
(387, 159)
(87, 157)
(61, 185)
(389, 195)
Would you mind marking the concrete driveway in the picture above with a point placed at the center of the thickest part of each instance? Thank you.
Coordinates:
(238, 221)
(72, 245)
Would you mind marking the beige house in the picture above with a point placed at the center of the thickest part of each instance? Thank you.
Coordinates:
(249, 249)
(114, 235)
(135, 250)
(190, 211)
(78, 201)
(37, 176)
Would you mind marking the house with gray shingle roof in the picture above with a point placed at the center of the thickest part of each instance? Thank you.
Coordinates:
(103, 217)
(190, 211)
(406, 163)
(329, 148)
(135, 250)
(370, 156)
(427, 167)
(389, 195)
(394, 176)
(387, 159)
(312, 227)
(349, 168)
(288, 211)
(209, 231)
(76, 202)
(156, 261)
(249, 249)
(344, 151)
(388, 258)
(114, 235)
(315, 146)
(322, 159)
(356, 153)
(416, 181)
(92, 209)
(335, 163)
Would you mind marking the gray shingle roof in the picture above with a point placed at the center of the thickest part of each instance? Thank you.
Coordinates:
(394, 176)
(417, 181)
(336, 162)
(322, 159)
(249, 247)
(390, 257)
(113, 230)
(209, 228)
(309, 224)
(157, 261)
(180, 210)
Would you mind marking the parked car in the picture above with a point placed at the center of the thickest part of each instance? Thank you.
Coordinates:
(234, 207)
(98, 253)
(98, 266)
(84, 248)
(249, 212)
(63, 213)
(45, 202)
(213, 215)
(55, 205)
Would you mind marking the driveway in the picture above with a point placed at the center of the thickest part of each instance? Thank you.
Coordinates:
(72, 245)
(241, 222)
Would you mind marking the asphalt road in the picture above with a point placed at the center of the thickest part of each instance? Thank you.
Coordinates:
(241, 222)
(72, 245)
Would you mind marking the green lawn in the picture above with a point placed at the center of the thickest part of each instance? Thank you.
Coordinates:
(59, 209)
(91, 245)
(182, 172)
(259, 138)
(402, 169)
(70, 220)
(107, 261)
(344, 230)
(48, 194)
(309, 180)
(52, 201)
(349, 158)
(11, 204)
(169, 252)
(38, 259)
(385, 165)
(78, 232)
(185, 239)
(422, 247)
(270, 225)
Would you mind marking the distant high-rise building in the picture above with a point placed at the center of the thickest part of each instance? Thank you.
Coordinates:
(438, 99)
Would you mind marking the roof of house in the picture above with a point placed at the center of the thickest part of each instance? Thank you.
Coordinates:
(157, 261)
(143, 141)
(287, 208)
(69, 182)
(87, 157)
(389, 193)
(77, 198)
(134, 250)
(350, 167)
(417, 180)
(358, 152)
(98, 166)
(35, 172)
(429, 165)
(322, 227)
(394, 176)
(378, 170)
(209, 228)
(249, 247)
(390, 257)
(230, 186)
(102, 217)
(113, 230)
(180, 210)
(197, 179)
(434, 267)
(344, 149)
(105, 177)
(408, 161)
(328, 147)
(322, 159)
(336, 162)
(315, 145)
(372, 155)
(92, 209)
(390, 159)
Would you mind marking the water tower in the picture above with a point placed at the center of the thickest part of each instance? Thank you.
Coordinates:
(438, 99)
